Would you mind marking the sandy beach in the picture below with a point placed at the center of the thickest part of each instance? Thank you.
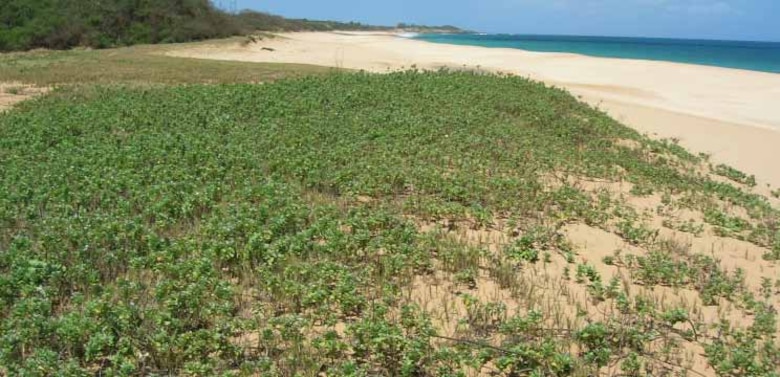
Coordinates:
(728, 113)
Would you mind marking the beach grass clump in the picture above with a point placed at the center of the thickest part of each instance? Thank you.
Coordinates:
(689, 226)
(727, 224)
(409, 224)
(734, 175)
(669, 264)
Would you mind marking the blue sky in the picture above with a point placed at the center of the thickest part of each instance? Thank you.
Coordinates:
(711, 19)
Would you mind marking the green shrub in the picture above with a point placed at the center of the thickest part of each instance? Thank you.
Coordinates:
(70, 23)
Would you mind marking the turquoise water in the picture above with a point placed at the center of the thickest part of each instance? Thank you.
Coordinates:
(756, 56)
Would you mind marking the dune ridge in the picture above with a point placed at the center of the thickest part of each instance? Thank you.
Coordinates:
(727, 113)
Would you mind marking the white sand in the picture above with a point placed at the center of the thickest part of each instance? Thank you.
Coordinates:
(732, 114)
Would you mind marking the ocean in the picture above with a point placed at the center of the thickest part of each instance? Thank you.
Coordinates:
(755, 56)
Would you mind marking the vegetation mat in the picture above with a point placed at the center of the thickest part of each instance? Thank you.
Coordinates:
(408, 224)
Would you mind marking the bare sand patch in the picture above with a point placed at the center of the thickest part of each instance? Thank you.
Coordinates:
(13, 93)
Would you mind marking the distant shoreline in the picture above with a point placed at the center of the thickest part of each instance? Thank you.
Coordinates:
(574, 36)
(746, 55)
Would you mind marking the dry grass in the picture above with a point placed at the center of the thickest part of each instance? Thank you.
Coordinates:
(142, 64)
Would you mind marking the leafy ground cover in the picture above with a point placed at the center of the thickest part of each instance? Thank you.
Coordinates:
(414, 223)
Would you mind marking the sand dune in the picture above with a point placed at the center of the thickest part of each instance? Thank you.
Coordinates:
(729, 113)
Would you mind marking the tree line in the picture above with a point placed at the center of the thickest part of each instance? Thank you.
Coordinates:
(60, 24)
(63, 24)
